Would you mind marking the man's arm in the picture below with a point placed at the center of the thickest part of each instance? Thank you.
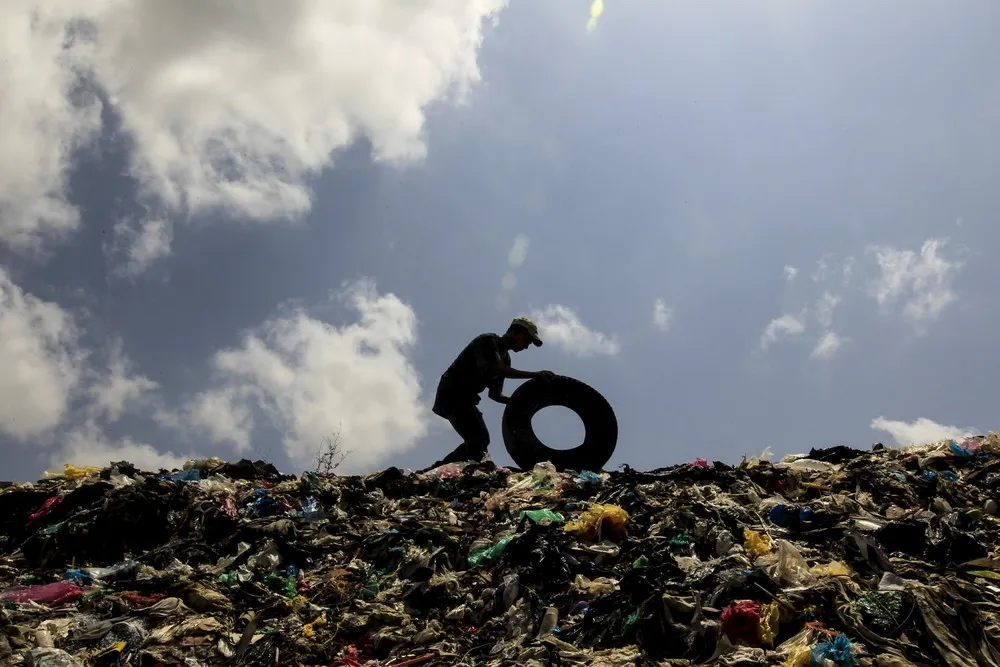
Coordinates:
(506, 372)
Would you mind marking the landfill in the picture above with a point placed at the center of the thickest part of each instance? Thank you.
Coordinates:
(884, 557)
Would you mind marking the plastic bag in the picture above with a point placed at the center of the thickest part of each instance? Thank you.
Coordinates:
(71, 471)
(770, 620)
(832, 569)
(789, 567)
(61, 592)
(544, 476)
(190, 475)
(46, 507)
(539, 516)
(204, 464)
(839, 651)
(800, 656)
(741, 622)
(811, 465)
(757, 544)
(598, 522)
(449, 471)
(488, 555)
(700, 462)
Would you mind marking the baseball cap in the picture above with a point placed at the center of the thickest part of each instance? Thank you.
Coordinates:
(528, 326)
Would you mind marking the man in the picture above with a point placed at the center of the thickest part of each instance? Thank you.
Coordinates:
(483, 364)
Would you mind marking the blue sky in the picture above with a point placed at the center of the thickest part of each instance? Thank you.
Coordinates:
(748, 224)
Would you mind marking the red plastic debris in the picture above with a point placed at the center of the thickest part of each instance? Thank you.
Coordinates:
(46, 507)
(740, 621)
(59, 593)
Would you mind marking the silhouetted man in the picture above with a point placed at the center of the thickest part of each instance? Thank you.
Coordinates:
(483, 364)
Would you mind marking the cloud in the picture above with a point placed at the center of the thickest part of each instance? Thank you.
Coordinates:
(227, 107)
(87, 445)
(923, 282)
(560, 326)
(824, 309)
(790, 273)
(784, 327)
(44, 119)
(313, 379)
(41, 360)
(118, 388)
(919, 432)
(223, 415)
(663, 316)
(828, 345)
(142, 244)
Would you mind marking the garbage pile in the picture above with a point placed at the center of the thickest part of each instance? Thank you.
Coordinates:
(839, 557)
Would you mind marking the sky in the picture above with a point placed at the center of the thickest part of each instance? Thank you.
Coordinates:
(240, 228)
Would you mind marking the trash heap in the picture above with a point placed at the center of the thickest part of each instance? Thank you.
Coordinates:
(835, 558)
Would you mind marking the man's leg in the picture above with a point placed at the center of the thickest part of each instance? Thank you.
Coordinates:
(468, 422)
(470, 425)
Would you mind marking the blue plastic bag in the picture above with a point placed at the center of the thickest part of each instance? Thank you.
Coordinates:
(839, 651)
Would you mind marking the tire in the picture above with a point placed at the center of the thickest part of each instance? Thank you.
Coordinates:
(599, 423)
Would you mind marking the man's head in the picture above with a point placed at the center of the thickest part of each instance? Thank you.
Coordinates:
(521, 333)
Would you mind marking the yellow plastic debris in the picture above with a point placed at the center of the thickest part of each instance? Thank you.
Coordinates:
(800, 657)
(309, 629)
(770, 619)
(598, 522)
(832, 569)
(757, 544)
(73, 472)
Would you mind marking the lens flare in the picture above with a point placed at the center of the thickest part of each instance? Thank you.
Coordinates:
(596, 9)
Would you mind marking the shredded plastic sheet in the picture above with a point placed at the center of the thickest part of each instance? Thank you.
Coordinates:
(72, 472)
(599, 522)
(757, 544)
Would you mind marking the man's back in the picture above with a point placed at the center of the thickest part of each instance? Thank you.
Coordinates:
(469, 374)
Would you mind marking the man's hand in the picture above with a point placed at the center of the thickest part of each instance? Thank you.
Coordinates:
(545, 375)
(500, 398)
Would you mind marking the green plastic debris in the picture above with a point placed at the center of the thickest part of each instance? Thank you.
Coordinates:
(488, 555)
(281, 585)
(370, 588)
(629, 623)
(54, 528)
(228, 579)
(881, 611)
(542, 515)
(99, 593)
(641, 561)
(680, 540)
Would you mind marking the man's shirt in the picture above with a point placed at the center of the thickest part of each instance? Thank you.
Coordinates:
(469, 374)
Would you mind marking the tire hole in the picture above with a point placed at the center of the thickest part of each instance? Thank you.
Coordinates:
(558, 427)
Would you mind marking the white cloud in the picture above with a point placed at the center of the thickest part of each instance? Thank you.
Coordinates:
(313, 379)
(784, 327)
(223, 415)
(790, 273)
(40, 360)
(922, 281)
(560, 326)
(142, 244)
(118, 388)
(228, 107)
(824, 309)
(663, 317)
(44, 118)
(828, 345)
(87, 445)
(920, 431)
